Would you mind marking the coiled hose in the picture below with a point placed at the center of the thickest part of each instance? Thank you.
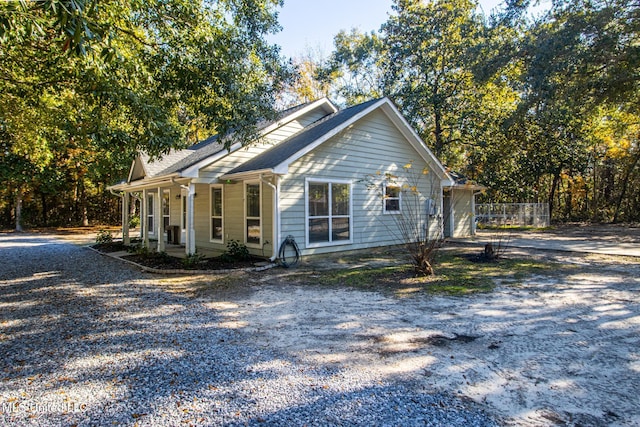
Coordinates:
(291, 259)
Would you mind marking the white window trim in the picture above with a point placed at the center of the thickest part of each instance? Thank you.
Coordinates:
(211, 187)
(151, 213)
(306, 212)
(385, 198)
(244, 225)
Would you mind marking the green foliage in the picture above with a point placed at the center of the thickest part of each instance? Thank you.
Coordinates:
(104, 236)
(236, 251)
(134, 221)
(192, 260)
(87, 83)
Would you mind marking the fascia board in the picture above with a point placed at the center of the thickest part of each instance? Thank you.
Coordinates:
(145, 183)
(133, 165)
(414, 139)
(249, 174)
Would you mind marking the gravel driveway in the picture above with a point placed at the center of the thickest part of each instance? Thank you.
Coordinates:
(86, 340)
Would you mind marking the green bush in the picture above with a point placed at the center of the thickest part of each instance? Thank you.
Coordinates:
(192, 260)
(236, 251)
(134, 221)
(104, 236)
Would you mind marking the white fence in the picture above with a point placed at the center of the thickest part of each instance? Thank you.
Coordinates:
(521, 214)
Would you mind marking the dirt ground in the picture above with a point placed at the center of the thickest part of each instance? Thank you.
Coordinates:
(560, 348)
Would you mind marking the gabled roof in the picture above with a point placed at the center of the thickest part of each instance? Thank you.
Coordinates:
(180, 160)
(277, 159)
(462, 181)
(184, 164)
(273, 157)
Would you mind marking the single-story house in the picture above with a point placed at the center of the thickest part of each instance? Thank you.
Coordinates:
(318, 174)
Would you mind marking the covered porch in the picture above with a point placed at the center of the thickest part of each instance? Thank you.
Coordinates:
(166, 210)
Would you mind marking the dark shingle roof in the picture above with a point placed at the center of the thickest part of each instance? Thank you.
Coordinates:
(286, 149)
(180, 160)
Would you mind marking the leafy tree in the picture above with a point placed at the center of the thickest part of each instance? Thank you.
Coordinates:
(84, 78)
(429, 47)
(355, 68)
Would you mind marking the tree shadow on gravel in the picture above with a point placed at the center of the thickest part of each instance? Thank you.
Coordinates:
(87, 340)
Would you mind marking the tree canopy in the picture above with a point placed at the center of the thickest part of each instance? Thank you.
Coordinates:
(537, 108)
(88, 81)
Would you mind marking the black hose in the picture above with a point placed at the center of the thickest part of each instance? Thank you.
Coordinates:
(282, 259)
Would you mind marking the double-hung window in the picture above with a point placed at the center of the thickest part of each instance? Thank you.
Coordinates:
(166, 209)
(328, 212)
(216, 214)
(151, 229)
(253, 230)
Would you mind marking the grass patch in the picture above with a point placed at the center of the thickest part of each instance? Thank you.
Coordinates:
(456, 274)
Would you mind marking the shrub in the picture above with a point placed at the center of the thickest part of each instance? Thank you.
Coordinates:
(104, 236)
(191, 260)
(236, 251)
(134, 221)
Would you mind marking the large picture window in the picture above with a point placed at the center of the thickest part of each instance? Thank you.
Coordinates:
(252, 214)
(216, 214)
(329, 212)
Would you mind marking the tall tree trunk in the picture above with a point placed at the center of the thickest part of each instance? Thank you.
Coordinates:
(83, 204)
(437, 132)
(19, 210)
(552, 194)
(43, 201)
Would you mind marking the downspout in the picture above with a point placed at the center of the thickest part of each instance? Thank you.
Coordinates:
(276, 215)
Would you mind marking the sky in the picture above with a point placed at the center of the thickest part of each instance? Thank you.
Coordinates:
(310, 25)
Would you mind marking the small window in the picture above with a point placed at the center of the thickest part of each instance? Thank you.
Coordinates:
(216, 214)
(392, 198)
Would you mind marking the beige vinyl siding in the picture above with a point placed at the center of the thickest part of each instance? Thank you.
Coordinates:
(201, 217)
(174, 206)
(371, 145)
(463, 212)
(246, 153)
(233, 217)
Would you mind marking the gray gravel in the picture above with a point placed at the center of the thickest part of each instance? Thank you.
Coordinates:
(86, 340)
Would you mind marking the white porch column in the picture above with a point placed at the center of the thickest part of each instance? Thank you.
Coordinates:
(190, 246)
(160, 219)
(144, 222)
(125, 219)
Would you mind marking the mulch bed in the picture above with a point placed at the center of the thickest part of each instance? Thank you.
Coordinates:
(167, 262)
(163, 261)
